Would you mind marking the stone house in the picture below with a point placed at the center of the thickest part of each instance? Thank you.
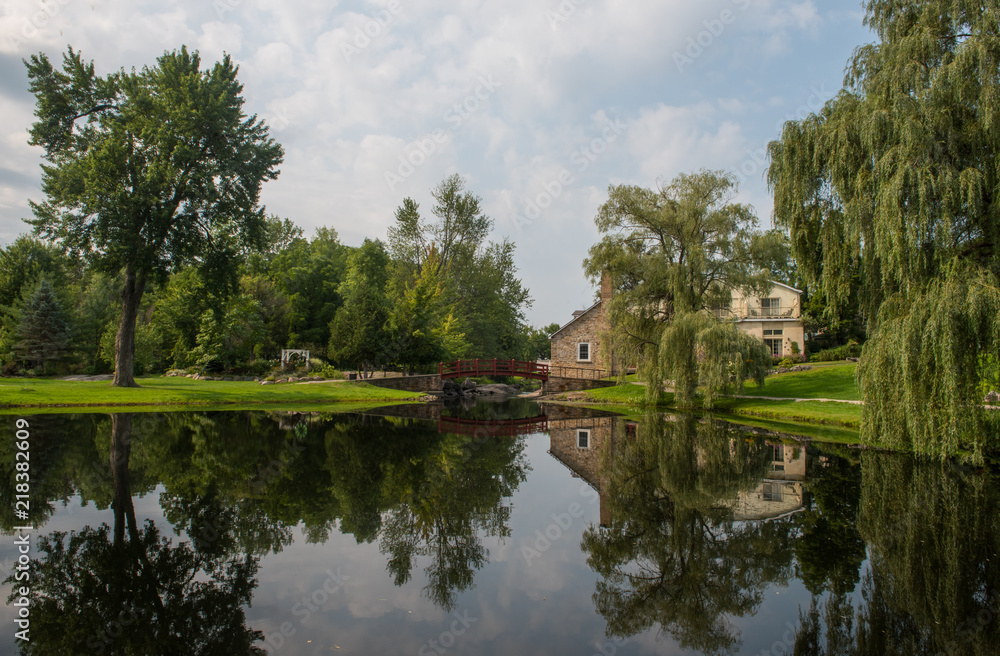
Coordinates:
(577, 345)
(775, 319)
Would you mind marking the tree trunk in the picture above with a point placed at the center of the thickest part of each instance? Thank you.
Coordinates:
(121, 445)
(135, 285)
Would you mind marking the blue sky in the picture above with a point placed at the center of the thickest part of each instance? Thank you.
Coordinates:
(539, 104)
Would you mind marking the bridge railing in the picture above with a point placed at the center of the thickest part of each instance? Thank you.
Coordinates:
(559, 371)
(493, 367)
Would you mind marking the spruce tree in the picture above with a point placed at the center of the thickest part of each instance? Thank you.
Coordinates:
(44, 331)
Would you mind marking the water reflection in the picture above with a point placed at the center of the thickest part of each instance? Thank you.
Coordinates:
(699, 518)
(672, 555)
(126, 589)
(701, 525)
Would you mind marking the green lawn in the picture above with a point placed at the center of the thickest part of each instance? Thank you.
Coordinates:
(830, 382)
(822, 382)
(162, 391)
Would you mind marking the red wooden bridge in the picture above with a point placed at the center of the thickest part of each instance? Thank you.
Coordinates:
(494, 367)
(495, 427)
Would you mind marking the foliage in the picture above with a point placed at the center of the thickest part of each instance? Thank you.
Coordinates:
(850, 350)
(895, 183)
(44, 331)
(148, 170)
(479, 288)
(673, 254)
(358, 333)
(915, 371)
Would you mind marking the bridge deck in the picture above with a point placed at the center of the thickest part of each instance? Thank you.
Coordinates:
(493, 367)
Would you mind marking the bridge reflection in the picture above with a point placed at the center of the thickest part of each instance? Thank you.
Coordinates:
(495, 427)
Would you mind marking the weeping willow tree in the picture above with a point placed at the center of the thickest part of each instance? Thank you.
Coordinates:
(674, 254)
(898, 179)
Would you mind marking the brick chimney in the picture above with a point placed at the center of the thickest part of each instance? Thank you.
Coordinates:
(606, 288)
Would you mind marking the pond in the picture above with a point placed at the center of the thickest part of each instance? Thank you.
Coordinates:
(510, 528)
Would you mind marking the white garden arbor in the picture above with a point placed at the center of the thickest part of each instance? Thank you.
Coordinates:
(286, 356)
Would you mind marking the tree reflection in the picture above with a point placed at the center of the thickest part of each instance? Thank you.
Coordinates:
(933, 538)
(673, 556)
(425, 495)
(126, 589)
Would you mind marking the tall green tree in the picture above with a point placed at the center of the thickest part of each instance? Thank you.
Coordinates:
(358, 332)
(896, 179)
(148, 170)
(479, 277)
(674, 254)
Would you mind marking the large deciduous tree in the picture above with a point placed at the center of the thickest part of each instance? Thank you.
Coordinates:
(148, 170)
(896, 181)
(674, 254)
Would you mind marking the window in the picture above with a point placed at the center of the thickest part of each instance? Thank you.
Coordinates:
(583, 439)
(771, 491)
(770, 303)
(771, 332)
(774, 345)
(778, 452)
(583, 352)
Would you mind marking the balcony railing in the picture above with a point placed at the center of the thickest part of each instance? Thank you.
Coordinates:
(757, 312)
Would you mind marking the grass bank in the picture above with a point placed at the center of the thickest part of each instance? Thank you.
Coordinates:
(823, 382)
(18, 393)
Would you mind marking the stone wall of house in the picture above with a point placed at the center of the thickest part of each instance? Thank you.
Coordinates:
(587, 328)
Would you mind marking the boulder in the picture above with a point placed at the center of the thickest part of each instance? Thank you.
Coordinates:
(468, 384)
(992, 397)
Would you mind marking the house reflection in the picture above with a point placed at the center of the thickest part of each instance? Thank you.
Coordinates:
(780, 493)
(579, 442)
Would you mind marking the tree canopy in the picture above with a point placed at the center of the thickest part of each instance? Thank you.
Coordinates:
(148, 170)
(896, 181)
(674, 254)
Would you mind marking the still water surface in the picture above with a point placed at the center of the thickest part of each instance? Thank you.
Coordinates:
(511, 528)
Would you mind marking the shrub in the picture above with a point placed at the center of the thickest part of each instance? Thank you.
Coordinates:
(849, 350)
(330, 372)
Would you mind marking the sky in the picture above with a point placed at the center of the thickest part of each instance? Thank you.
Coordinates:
(539, 104)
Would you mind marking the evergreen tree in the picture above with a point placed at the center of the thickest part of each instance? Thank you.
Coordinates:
(44, 331)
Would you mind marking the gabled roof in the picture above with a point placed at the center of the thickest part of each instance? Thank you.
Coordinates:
(781, 284)
(575, 319)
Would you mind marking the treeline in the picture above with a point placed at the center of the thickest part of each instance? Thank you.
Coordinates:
(438, 290)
